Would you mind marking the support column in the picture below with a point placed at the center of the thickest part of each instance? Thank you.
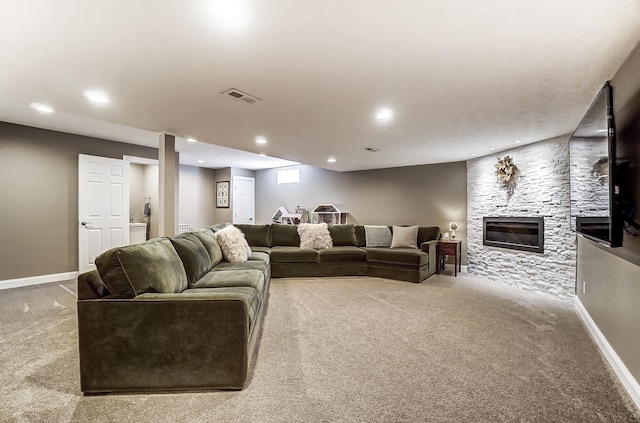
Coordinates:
(169, 167)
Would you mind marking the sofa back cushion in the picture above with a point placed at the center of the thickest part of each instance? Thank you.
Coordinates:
(343, 235)
(361, 239)
(257, 235)
(208, 239)
(152, 266)
(193, 254)
(428, 233)
(284, 235)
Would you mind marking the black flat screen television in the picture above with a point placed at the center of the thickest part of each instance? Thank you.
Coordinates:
(626, 91)
(595, 205)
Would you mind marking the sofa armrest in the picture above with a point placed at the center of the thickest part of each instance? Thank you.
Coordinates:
(430, 247)
(165, 341)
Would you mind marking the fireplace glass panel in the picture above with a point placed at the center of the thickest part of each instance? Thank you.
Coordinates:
(516, 233)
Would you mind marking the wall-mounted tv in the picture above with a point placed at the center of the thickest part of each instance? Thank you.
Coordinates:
(593, 178)
(626, 108)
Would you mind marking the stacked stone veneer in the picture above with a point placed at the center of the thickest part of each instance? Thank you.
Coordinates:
(542, 190)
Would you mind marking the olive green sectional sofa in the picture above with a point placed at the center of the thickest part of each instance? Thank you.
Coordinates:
(171, 314)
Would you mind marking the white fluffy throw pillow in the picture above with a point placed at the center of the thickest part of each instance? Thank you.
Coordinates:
(233, 244)
(314, 236)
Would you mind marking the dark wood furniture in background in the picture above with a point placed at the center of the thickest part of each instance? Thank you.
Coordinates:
(450, 247)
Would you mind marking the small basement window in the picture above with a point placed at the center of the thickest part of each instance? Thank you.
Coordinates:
(291, 176)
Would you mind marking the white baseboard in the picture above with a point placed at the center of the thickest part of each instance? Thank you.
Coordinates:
(627, 379)
(37, 280)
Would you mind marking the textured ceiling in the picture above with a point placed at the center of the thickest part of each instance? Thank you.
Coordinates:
(460, 76)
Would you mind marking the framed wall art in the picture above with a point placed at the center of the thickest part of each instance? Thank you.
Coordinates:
(222, 194)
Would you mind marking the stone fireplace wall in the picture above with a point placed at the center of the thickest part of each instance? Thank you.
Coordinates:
(542, 190)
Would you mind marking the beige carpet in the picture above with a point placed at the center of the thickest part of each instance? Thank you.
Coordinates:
(343, 350)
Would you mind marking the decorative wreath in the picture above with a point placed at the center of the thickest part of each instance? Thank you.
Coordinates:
(506, 170)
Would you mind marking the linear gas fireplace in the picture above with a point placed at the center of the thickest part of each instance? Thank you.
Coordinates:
(515, 233)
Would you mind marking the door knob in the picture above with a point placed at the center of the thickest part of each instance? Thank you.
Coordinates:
(83, 223)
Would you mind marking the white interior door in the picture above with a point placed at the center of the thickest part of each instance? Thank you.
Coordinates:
(103, 207)
(243, 200)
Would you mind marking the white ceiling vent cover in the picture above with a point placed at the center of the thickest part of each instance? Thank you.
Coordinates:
(239, 95)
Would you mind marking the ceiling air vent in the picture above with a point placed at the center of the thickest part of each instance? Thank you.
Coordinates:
(372, 149)
(239, 95)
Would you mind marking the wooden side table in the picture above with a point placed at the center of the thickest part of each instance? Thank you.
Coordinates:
(450, 247)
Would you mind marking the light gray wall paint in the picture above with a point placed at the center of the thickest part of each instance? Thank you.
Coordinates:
(611, 298)
(429, 195)
(197, 196)
(223, 214)
(39, 197)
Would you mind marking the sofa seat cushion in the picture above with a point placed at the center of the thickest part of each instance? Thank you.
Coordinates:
(265, 250)
(281, 254)
(341, 254)
(397, 256)
(245, 265)
(151, 266)
(249, 296)
(224, 279)
(257, 255)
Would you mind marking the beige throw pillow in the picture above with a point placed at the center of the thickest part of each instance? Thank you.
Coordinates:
(314, 236)
(234, 246)
(405, 237)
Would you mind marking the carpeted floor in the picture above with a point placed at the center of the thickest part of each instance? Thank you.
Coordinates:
(342, 350)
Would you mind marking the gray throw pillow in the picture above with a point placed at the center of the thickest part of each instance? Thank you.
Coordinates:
(377, 236)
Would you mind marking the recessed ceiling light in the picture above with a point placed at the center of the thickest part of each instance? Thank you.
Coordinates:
(229, 10)
(97, 97)
(263, 155)
(261, 140)
(41, 107)
(516, 142)
(472, 154)
(384, 114)
(331, 160)
(492, 148)
(192, 140)
(200, 161)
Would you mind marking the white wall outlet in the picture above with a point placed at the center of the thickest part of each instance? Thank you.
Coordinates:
(584, 287)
